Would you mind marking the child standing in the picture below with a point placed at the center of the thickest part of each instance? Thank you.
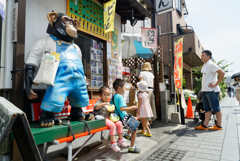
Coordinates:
(121, 106)
(100, 109)
(144, 109)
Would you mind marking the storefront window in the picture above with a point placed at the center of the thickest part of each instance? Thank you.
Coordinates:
(92, 58)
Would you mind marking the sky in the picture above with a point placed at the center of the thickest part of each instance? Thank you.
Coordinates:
(217, 25)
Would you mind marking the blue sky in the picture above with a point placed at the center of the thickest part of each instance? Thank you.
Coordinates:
(217, 25)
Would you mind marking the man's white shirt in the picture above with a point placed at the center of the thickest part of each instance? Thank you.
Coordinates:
(209, 75)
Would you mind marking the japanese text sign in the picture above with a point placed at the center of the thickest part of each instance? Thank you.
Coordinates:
(149, 37)
(109, 13)
(178, 63)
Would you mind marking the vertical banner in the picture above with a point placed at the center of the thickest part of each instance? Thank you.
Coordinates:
(178, 68)
(3, 8)
(149, 37)
(115, 53)
(109, 13)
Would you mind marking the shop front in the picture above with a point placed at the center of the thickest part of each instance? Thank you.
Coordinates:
(100, 52)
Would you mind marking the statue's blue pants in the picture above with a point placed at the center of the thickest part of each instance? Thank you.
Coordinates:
(69, 82)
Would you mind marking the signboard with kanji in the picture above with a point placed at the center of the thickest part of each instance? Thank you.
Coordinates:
(149, 37)
(90, 14)
(178, 63)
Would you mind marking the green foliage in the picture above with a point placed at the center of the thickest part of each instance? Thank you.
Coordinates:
(184, 83)
(187, 94)
(223, 64)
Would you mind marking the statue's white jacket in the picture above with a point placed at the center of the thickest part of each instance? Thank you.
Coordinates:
(35, 55)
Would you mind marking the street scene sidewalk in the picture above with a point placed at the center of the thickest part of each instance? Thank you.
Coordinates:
(180, 142)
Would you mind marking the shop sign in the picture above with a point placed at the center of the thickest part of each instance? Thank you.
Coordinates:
(149, 37)
(90, 14)
(115, 53)
(109, 14)
(178, 63)
(14, 22)
(163, 6)
(3, 8)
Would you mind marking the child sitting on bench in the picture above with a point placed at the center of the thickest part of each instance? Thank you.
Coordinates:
(100, 108)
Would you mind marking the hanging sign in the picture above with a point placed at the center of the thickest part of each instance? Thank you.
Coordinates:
(109, 14)
(115, 54)
(149, 37)
(178, 63)
(90, 14)
(3, 8)
(164, 6)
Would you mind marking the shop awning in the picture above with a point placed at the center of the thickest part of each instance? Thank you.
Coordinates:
(192, 59)
(135, 49)
(128, 36)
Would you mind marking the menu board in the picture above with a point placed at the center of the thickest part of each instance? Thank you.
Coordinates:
(90, 14)
(96, 67)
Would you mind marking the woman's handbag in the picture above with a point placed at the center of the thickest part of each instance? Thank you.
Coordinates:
(129, 121)
(48, 68)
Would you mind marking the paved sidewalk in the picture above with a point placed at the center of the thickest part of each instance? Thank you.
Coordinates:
(180, 142)
(220, 145)
(161, 134)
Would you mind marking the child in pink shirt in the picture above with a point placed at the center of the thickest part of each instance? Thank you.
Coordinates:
(100, 109)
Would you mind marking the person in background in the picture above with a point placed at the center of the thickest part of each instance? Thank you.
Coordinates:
(229, 91)
(144, 109)
(233, 91)
(237, 88)
(101, 109)
(147, 76)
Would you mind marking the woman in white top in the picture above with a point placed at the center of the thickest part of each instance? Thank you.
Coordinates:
(149, 78)
(237, 88)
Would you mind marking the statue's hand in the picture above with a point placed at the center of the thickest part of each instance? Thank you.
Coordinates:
(29, 76)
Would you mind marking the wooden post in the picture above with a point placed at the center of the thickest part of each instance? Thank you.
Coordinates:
(18, 64)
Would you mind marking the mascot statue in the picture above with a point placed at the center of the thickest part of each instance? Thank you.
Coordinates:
(69, 80)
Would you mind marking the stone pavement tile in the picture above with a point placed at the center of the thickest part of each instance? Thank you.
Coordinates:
(207, 156)
(231, 134)
(190, 153)
(230, 153)
(213, 140)
(216, 134)
(231, 128)
(207, 151)
(203, 142)
(211, 147)
(230, 142)
(173, 146)
(186, 144)
(191, 138)
(214, 137)
(187, 158)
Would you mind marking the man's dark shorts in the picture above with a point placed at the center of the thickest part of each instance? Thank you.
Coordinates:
(211, 101)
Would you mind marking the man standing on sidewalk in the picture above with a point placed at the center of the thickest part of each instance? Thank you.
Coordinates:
(210, 91)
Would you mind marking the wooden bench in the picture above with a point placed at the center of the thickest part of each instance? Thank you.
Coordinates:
(60, 133)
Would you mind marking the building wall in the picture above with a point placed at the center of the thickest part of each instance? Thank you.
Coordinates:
(198, 46)
(188, 42)
(176, 19)
(37, 22)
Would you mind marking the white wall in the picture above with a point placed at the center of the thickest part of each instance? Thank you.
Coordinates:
(7, 48)
(137, 27)
(36, 19)
(37, 23)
